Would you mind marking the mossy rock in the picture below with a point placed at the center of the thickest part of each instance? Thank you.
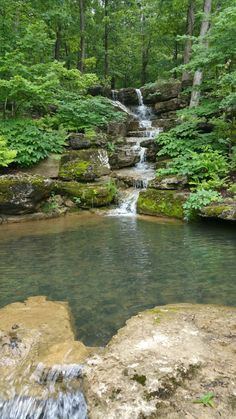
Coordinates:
(161, 203)
(21, 194)
(84, 165)
(87, 195)
(224, 211)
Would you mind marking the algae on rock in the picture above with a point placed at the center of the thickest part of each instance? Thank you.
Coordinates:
(167, 203)
(84, 165)
(88, 195)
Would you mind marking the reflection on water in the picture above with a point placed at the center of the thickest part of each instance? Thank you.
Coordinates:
(110, 268)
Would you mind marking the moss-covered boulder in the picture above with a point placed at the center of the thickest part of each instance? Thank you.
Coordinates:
(225, 210)
(163, 203)
(84, 165)
(87, 195)
(22, 194)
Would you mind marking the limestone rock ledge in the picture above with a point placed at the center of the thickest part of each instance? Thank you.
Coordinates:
(32, 334)
(162, 361)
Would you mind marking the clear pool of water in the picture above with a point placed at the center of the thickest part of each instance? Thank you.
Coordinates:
(109, 268)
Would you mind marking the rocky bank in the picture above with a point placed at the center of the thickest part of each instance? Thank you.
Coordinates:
(161, 364)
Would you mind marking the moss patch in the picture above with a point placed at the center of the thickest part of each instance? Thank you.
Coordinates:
(161, 203)
(88, 195)
(20, 194)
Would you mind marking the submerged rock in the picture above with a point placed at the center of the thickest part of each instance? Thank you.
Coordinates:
(22, 194)
(84, 165)
(162, 362)
(167, 203)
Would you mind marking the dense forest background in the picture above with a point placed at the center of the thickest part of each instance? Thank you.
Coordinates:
(53, 53)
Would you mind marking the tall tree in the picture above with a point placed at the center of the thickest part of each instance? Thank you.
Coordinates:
(188, 43)
(198, 76)
(82, 52)
(106, 38)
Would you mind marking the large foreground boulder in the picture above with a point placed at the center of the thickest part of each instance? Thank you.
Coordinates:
(22, 194)
(84, 165)
(164, 364)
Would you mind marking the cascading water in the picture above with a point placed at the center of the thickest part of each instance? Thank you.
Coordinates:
(58, 395)
(143, 172)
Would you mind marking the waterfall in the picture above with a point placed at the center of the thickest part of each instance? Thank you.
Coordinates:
(143, 171)
(114, 95)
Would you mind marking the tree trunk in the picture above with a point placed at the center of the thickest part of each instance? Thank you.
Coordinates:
(198, 76)
(145, 60)
(57, 43)
(175, 55)
(82, 52)
(188, 44)
(106, 40)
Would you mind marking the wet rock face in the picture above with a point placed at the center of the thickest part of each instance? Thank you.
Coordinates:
(21, 194)
(162, 361)
(123, 157)
(128, 97)
(84, 165)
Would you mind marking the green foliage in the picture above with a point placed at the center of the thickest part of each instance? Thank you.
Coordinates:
(7, 156)
(31, 143)
(83, 113)
(198, 200)
(209, 165)
(206, 400)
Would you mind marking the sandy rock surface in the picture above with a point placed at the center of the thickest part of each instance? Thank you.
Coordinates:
(164, 360)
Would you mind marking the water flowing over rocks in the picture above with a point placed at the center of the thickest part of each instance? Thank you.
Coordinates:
(40, 362)
(164, 360)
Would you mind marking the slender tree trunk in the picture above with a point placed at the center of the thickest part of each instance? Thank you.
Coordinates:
(198, 76)
(106, 39)
(57, 43)
(82, 52)
(175, 55)
(188, 44)
(145, 60)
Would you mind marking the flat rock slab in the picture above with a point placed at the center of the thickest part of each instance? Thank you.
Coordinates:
(162, 362)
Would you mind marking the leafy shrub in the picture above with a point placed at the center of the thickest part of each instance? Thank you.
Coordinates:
(31, 143)
(81, 113)
(6, 156)
(209, 165)
(198, 200)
